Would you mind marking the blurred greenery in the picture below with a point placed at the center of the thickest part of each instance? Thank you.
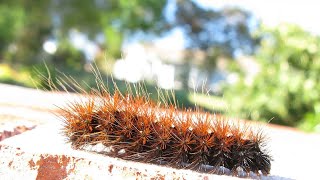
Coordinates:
(88, 82)
(208, 102)
(217, 33)
(287, 89)
(10, 76)
(27, 25)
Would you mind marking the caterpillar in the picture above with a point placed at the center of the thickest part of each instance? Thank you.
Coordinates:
(136, 128)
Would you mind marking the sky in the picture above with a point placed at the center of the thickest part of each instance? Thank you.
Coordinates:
(272, 12)
(304, 13)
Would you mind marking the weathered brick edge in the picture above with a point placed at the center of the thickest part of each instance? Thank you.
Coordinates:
(18, 164)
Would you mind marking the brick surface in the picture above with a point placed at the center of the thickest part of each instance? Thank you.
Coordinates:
(47, 156)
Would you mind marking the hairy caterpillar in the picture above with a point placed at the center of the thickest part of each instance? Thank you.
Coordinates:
(136, 128)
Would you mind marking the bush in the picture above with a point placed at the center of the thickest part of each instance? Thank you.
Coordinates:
(287, 88)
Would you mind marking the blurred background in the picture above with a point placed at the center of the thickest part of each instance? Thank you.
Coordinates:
(250, 59)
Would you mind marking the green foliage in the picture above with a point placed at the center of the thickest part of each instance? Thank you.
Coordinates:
(113, 42)
(68, 57)
(33, 26)
(11, 22)
(287, 89)
(26, 25)
(9, 75)
(91, 16)
(116, 19)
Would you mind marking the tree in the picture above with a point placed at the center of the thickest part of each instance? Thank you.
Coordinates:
(287, 89)
(216, 32)
(116, 19)
(35, 26)
(11, 22)
(54, 19)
